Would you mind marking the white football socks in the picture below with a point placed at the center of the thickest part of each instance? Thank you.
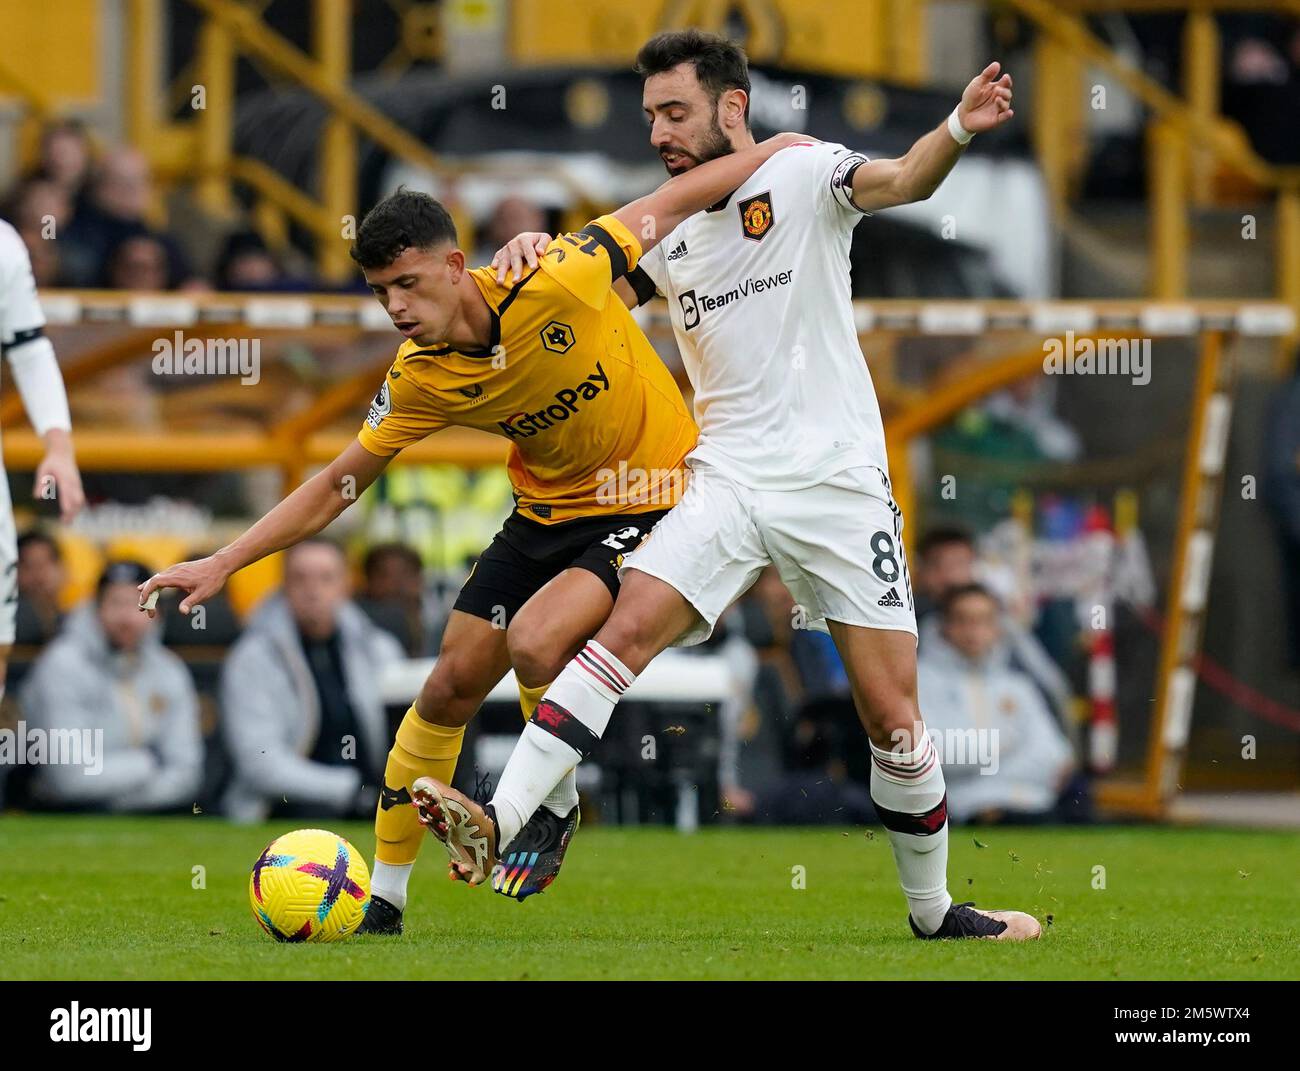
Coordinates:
(388, 881)
(908, 790)
(570, 718)
(564, 796)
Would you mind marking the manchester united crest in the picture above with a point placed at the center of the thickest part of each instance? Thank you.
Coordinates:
(756, 217)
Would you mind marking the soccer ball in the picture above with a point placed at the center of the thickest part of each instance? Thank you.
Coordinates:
(309, 885)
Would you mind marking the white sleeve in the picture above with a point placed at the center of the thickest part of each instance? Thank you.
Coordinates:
(20, 312)
(23, 341)
(831, 168)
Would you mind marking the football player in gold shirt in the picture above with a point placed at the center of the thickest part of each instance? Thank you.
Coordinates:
(598, 431)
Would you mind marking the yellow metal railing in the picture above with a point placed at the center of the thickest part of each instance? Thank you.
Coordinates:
(300, 440)
(1184, 137)
(1187, 134)
(202, 149)
(231, 29)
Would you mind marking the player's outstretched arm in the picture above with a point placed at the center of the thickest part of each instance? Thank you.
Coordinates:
(653, 217)
(985, 104)
(302, 514)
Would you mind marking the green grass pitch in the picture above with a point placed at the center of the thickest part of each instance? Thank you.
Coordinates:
(100, 898)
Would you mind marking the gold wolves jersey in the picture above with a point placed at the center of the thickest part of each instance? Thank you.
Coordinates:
(595, 422)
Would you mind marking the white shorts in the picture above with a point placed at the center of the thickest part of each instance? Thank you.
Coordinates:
(837, 545)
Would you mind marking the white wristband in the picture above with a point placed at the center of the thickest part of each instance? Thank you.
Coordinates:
(959, 133)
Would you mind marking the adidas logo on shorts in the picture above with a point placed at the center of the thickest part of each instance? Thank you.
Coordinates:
(890, 598)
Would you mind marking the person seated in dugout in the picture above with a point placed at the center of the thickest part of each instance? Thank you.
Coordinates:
(947, 559)
(115, 712)
(301, 707)
(1004, 756)
(41, 576)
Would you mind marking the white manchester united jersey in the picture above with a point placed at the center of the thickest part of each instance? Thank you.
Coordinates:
(36, 374)
(21, 318)
(758, 291)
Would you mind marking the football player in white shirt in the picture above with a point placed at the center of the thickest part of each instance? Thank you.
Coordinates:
(36, 372)
(790, 468)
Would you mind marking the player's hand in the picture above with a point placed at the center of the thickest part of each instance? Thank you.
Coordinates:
(58, 472)
(986, 103)
(522, 249)
(200, 580)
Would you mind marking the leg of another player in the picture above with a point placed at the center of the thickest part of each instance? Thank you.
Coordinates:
(647, 616)
(906, 778)
(472, 658)
(549, 629)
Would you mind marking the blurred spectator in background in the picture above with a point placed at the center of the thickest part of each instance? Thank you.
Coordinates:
(794, 753)
(39, 211)
(821, 670)
(762, 618)
(66, 157)
(108, 673)
(736, 714)
(947, 560)
(1281, 492)
(512, 216)
(301, 709)
(991, 445)
(138, 262)
(1013, 762)
(816, 787)
(110, 239)
(1029, 407)
(245, 263)
(1261, 82)
(114, 208)
(394, 597)
(41, 577)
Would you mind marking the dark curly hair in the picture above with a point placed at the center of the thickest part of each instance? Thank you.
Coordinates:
(720, 64)
(405, 219)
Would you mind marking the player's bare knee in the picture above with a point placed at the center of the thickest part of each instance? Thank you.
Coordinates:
(447, 697)
(893, 722)
(537, 659)
(631, 636)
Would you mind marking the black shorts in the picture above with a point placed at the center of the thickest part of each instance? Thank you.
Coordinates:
(526, 555)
